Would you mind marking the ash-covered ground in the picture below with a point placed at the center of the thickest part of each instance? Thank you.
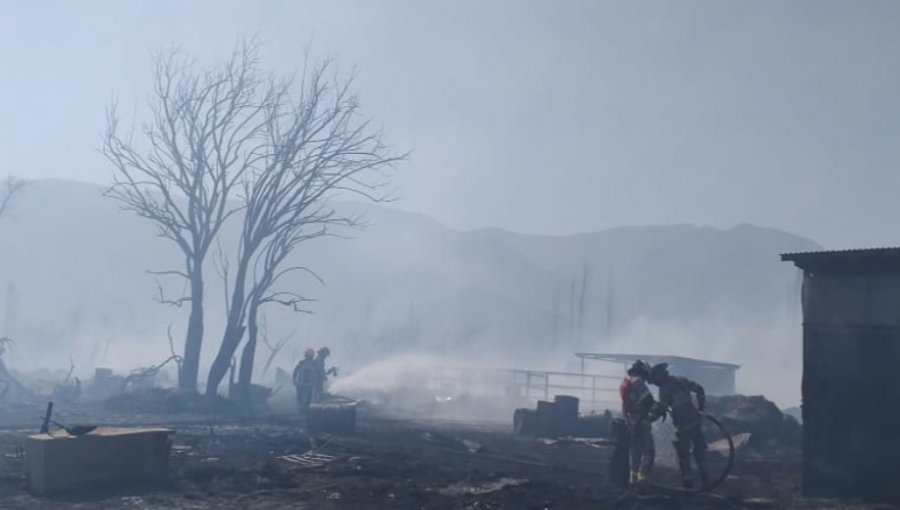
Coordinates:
(389, 463)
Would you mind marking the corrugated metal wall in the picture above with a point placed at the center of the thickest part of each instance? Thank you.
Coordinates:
(851, 386)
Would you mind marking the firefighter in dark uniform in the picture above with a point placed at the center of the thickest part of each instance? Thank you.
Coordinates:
(675, 395)
(637, 404)
(321, 382)
(305, 377)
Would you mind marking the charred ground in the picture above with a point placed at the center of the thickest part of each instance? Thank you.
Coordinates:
(388, 463)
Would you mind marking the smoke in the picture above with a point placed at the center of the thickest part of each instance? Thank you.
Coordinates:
(769, 350)
(436, 385)
(390, 376)
(486, 298)
(431, 386)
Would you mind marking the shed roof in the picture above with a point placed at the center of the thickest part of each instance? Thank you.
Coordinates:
(654, 359)
(867, 260)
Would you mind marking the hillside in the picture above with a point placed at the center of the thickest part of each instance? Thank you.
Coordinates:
(74, 270)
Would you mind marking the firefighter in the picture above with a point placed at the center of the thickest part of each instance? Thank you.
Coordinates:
(637, 403)
(304, 378)
(322, 373)
(675, 395)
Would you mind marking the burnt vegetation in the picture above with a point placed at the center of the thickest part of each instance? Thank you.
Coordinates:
(233, 143)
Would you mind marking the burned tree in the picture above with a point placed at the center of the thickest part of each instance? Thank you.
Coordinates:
(274, 349)
(11, 187)
(276, 250)
(7, 380)
(316, 146)
(202, 136)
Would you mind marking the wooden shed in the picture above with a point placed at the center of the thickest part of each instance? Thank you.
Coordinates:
(851, 372)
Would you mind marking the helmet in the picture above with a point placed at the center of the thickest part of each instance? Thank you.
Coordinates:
(324, 351)
(309, 353)
(659, 373)
(639, 368)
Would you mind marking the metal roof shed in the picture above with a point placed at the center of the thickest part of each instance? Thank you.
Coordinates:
(851, 372)
(717, 378)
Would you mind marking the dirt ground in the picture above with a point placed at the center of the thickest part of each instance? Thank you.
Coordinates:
(389, 463)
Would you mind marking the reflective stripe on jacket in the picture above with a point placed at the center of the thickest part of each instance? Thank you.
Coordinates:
(636, 396)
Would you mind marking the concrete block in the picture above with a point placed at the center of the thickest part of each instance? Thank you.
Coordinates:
(107, 456)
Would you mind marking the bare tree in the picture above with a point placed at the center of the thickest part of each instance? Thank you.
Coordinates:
(274, 349)
(582, 307)
(317, 146)
(203, 134)
(11, 187)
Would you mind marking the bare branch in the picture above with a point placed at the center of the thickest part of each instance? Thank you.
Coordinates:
(180, 167)
(273, 349)
(293, 300)
(69, 373)
(312, 144)
(170, 273)
(11, 187)
(161, 298)
(222, 265)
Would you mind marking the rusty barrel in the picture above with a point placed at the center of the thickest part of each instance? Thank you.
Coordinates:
(619, 461)
(564, 415)
(331, 418)
(545, 418)
(525, 422)
(594, 425)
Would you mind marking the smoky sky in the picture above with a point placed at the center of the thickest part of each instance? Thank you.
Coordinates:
(537, 116)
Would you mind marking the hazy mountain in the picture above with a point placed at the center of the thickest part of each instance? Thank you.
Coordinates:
(74, 269)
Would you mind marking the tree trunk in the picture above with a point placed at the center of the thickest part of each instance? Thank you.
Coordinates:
(248, 358)
(234, 332)
(190, 365)
(219, 369)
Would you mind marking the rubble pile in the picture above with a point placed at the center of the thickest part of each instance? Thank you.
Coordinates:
(761, 418)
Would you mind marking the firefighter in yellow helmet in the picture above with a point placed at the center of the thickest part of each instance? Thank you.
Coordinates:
(637, 403)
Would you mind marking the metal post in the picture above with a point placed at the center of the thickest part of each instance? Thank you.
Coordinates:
(582, 372)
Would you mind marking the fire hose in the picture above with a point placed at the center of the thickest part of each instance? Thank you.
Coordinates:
(729, 463)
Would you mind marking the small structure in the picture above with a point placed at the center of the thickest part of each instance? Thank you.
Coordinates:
(103, 457)
(105, 384)
(717, 378)
(851, 372)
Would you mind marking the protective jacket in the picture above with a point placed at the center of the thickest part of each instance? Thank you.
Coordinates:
(305, 374)
(636, 397)
(675, 394)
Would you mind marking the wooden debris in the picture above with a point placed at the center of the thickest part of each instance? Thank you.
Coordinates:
(308, 460)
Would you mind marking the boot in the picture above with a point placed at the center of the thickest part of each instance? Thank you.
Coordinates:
(684, 465)
(704, 475)
(638, 480)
